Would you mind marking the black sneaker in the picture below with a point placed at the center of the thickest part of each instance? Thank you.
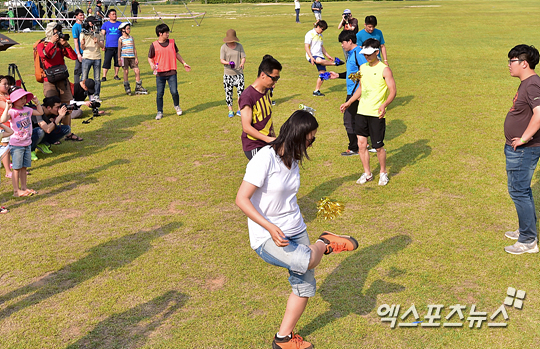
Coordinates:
(116, 77)
(349, 153)
(318, 93)
(104, 78)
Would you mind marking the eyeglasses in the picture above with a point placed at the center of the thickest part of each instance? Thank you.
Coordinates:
(274, 78)
(311, 141)
(510, 61)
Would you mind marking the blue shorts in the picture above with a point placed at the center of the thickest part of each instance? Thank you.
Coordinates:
(319, 67)
(20, 157)
(295, 258)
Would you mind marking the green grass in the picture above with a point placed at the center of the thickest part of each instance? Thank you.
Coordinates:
(134, 240)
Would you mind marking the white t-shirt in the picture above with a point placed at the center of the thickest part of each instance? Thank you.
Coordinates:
(296, 4)
(315, 40)
(275, 198)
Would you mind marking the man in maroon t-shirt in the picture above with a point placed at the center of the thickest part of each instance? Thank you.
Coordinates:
(522, 148)
(256, 108)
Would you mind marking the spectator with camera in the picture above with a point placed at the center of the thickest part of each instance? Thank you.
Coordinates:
(85, 88)
(91, 43)
(100, 15)
(348, 22)
(47, 129)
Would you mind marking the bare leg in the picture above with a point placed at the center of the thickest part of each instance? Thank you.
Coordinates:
(137, 74)
(295, 308)
(319, 84)
(325, 62)
(126, 73)
(5, 162)
(364, 154)
(381, 155)
(105, 72)
(15, 182)
(22, 178)
(116, 69)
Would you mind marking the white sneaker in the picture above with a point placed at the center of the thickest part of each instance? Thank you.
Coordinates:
(372, 150)
(520, 248)
(383, 179)
(178, 110)
(364, 178)
(514, 235)
(159, 115)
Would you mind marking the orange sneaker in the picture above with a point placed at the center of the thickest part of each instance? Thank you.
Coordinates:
(292, 342)
(338, 243)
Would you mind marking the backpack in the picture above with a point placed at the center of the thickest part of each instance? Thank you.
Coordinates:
(38, 65)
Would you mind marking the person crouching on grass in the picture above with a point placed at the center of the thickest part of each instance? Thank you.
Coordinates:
(277, 231)
(20, 119)
(127, 56)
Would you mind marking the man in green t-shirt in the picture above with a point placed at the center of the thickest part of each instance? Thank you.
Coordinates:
(376, 91)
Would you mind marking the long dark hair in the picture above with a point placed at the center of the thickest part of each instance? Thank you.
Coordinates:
(291, 144)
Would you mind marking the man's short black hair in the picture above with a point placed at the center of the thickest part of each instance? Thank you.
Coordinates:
(525, 53)
(77, 11)
(51, 101)
(347, 35)
(162, 28)
(321, 24)
(371, 20)
(268, 65)
(110, 10)
(372, 43)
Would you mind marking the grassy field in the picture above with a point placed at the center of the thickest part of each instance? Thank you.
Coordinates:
(134, 240)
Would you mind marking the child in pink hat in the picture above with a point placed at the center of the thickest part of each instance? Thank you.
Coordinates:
(20, 119)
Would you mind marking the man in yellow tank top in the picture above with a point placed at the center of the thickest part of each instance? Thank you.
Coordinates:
(376, 91)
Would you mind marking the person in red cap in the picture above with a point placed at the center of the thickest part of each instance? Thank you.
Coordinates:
(20, 119)
(233, 58)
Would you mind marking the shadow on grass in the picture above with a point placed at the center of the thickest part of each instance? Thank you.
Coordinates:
(394, 129)
(400, 102)
(70, 180)
(109, 255)
(343, 289)
(308, 203)
(408, 155)
(338, 88)
(131, 328)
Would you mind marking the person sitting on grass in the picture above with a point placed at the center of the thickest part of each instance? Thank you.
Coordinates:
(277, 231)
(127, 56)
(20, 118)
(47, 129)
(5, 131)
(315, 53)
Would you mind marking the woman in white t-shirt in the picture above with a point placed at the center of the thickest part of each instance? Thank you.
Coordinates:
(277, 231)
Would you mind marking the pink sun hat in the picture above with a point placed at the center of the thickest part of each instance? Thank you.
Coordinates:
(20, 93)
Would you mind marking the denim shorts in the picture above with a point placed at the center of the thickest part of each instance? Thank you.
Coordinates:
(295, 258)
(20, 157)
(319, 66)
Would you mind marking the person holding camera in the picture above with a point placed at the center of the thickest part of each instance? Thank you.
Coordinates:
(83, 89)
(348, 22)
(52, 52)
(47, 129)
(91, 43)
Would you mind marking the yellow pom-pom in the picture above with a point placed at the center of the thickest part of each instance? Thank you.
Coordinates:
(329, 209)
(355, 76)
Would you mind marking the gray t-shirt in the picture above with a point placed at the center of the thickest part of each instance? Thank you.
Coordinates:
(232, 54)
(526, 99)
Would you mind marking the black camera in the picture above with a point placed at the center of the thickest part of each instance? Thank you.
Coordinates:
(61, 35)
(95, 108)
(87, 28)
(69, 107)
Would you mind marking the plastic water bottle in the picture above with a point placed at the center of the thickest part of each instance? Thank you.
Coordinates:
(232, 64)
(155, 69)
(324, 76)
(308, 109)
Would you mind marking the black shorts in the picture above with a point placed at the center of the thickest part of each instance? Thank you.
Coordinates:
(110, 53)
(371, 126)
(251, 153)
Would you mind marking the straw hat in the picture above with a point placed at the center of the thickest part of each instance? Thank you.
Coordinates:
(231, 36)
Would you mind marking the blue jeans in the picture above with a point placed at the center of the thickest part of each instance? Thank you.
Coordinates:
(295, 258)
(39, 136)
(160, 85)
(297, 10)
(96, 64)
(520, 166)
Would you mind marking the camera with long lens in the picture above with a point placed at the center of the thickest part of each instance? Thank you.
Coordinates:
(69, 107)
(95, 107)
(61, 35)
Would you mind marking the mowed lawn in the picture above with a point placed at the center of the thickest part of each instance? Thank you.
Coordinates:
(134, 240)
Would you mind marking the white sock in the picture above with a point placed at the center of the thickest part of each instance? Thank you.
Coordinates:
(321, 241)
(281, 337)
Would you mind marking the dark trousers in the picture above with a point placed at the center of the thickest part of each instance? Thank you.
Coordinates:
(348, 122)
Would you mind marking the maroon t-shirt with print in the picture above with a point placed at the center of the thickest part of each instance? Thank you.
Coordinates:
(261, 104)
(526, 99)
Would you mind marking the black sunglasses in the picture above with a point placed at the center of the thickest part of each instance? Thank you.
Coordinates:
(274, 78)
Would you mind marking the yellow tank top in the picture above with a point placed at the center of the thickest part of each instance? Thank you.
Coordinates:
(374, 89)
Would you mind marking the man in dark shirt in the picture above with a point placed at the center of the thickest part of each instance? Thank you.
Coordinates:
(522, 148)
(256, 108)
(135, 9)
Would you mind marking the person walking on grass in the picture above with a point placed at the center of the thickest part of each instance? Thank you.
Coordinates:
(256, 108)
(20, 119)
(316, 8)
(370, 32)
(127, 56)
(376, 91)
(277, 231)
(233, 58)
(297, 10)
(162, 58)
(522, 148)
(315, 53)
